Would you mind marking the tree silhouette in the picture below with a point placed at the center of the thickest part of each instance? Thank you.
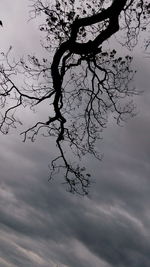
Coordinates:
(85, 82)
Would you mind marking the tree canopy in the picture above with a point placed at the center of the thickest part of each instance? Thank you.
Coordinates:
(84, 78)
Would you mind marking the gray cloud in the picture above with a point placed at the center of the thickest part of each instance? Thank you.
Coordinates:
(112, 224)
(43, 225)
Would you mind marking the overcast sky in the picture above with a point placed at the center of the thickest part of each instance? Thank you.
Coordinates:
(41, 224)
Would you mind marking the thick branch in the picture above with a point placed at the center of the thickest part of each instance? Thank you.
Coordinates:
(82, 48)
(111, 12)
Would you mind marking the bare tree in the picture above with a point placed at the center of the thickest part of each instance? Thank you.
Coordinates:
(85, 81)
